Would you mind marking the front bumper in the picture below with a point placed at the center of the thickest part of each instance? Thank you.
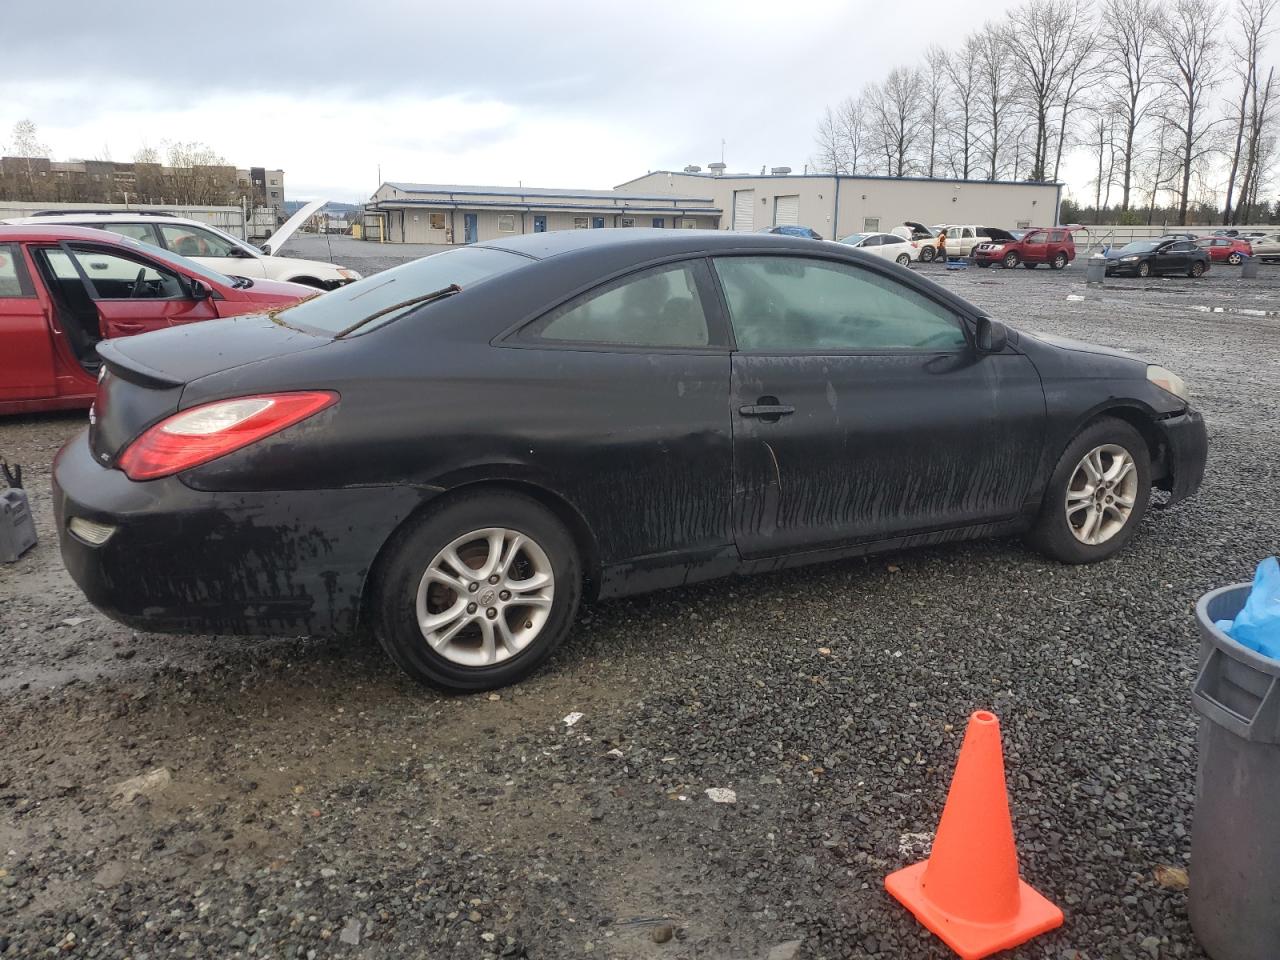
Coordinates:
(1186, 449)
(244, 562)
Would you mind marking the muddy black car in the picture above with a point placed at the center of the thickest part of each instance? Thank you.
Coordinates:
(1157, 258)
(456, 452)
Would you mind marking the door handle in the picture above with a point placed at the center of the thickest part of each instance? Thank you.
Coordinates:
(766, 411)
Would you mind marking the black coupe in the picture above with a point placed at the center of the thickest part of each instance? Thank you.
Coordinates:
(455, 452)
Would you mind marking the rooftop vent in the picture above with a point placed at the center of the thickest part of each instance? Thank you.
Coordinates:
(717, 169)
(693, 168)
(779, 171)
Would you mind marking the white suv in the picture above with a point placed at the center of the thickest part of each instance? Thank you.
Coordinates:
(206, 245)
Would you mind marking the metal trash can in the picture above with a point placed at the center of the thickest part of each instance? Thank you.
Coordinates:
(1249, 268)
(1096, 271)
(17, 529)
(1234, 899)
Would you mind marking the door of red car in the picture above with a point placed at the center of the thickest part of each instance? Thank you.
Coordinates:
(135, 294)
(1035, 247)
(26, 343)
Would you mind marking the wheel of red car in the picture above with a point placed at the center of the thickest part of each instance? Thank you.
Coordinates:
(1059, 261)
(1234, 259)
(1010, 260)
(477, 593)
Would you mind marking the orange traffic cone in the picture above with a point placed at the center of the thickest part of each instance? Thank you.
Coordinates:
(968, 891)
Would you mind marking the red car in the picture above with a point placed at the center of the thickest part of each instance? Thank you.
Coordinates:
(62, 289)
(1231, 250)
(1051, 245)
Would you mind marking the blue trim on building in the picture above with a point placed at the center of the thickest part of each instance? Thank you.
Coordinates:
(401, 203)
(533, 194)
(844, 176)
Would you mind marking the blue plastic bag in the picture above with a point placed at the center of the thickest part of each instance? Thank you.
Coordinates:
(1257, 625)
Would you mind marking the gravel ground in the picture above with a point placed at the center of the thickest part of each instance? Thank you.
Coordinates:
(314, 804)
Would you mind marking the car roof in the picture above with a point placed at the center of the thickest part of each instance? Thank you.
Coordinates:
(655, 241)
(49, 232)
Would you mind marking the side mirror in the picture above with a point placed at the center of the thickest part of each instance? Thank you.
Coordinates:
(992, 336)
(265, 248)
(200, 290)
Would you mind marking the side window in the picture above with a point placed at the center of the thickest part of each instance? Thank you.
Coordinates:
(1057, 236)
(1038, 236)
(795, 303)
(14, 282)
(117, 277)
(194, 242)
(889, 240)
(138, 231)
(875, 240)
(657, 308)
(968, 233)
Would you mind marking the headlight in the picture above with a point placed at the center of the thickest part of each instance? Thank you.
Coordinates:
(348, 274)
(996, 246)
(1168, 381)
(1128, 258)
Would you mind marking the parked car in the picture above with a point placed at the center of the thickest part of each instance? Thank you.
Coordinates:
(206, 245)
(1147, 258)
(458, 450)
(65, 289)
(889, 246)
(788, 230)
(1232, 250)
(1267, 247)
(925, 237)
(1051, 245)
(962, 239)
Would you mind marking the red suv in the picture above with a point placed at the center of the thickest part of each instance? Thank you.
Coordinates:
(63, 289)
(1051, 245)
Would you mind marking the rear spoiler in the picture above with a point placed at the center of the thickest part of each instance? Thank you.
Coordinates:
(127, 368)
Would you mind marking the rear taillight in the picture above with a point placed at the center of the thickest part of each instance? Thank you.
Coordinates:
(213, 430)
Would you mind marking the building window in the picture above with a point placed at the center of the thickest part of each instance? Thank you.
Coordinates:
(660, 222)
(506, 223)
(688, 223)
(437, 221)
(870, 224)
(275, 182)
(581, 223)
(628, 221)
(275, 194)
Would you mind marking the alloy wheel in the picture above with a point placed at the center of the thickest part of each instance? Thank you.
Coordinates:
(485, 597)
(1101, 494)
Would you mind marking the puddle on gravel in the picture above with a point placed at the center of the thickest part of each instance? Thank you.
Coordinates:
(1242, 311)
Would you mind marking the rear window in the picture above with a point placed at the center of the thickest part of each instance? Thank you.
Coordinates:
(345, 307)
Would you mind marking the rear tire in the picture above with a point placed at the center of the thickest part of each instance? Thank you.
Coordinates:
(1073, 499)
(927, 255)
(1234, 259)
(496, 639)
(1060, 261)
(1197, 269)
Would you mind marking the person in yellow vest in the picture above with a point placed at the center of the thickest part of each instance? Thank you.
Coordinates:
(942, 246)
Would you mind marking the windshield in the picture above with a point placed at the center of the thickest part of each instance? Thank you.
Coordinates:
(1140, 246)
(347, 306)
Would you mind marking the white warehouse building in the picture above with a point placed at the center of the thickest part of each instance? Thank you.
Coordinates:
(834, 206)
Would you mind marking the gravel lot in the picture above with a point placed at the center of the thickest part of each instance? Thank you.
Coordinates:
(319, 805)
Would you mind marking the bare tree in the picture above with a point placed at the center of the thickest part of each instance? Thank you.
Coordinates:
(1101, 133)
(1188, 48)
(146, 154)
(1039, 42)
(830, 156)
(993, 90)
(840, 138)
(1129, 29)
(897, 121)
(962, 76)
(1254, 18)
(1260, 143)
(934, 105)
(26, 141)
(1080, 73)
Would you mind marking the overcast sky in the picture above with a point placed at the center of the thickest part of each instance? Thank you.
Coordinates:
(546, 93)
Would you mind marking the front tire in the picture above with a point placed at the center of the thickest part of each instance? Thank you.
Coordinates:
(1010, 261)
(1144, 269)
(904, 259)
(1097, 495)
(477, 593)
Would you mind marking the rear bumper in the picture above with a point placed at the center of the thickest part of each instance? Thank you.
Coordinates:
(249, 563)
(1186, 451)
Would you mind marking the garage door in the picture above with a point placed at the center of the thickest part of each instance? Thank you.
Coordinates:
(786, 212)
(744, 208)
